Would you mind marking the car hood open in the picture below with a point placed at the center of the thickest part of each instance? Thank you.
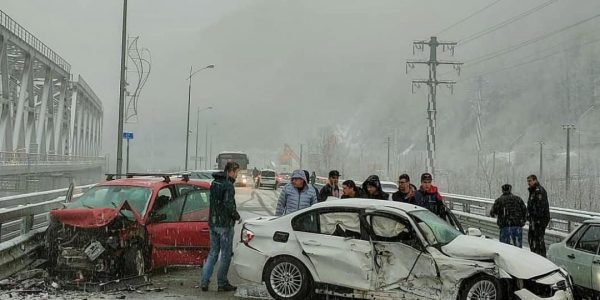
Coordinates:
(91, 217)
(515, 261)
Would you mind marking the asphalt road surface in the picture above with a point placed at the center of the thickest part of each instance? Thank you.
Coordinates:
(183, 283)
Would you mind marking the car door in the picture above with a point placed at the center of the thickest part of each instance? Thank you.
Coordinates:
(579, 254)
(178, 231)
(334, 242)
(401, 260)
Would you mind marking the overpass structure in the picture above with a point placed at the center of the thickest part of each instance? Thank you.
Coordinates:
(50, 123)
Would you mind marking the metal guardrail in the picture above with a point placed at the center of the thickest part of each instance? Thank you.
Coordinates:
(30, 39)
(23, 158)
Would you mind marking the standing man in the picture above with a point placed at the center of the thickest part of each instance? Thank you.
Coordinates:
(255, 173)
(350, 190)
(406, 190)
(222, 216)
(331, 189)
(295, 195)
(538, 215)
(373, 190)
(428, 196)
(312, 185)
(512, 213)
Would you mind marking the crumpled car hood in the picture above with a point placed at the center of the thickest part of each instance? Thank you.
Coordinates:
(91, 217)
(515, 261)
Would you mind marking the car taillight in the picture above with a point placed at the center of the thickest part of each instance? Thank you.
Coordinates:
(247, 236)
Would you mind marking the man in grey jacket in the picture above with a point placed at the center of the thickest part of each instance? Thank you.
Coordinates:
(295, 195)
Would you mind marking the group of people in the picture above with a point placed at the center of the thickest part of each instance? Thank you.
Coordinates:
(301, 193)
(512, 214)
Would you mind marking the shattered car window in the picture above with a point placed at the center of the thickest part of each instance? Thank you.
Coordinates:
(340, 224)
(441, 232)
(113, 197)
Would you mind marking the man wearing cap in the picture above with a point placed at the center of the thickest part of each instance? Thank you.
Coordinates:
(331, 189)
(428, 196)
(512, 213)
(295, 195)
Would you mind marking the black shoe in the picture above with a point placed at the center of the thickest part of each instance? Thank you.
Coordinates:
(204, 288)
(227, 288)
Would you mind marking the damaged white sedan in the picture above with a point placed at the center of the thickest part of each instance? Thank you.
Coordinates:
(368, 249)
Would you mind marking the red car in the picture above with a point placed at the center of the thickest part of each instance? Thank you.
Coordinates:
(128, 226)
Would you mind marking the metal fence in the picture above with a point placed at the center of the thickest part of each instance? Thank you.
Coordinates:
(23, 158)
(22, 33)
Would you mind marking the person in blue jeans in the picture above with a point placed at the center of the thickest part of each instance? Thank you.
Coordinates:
(511, 213)
(222, 216)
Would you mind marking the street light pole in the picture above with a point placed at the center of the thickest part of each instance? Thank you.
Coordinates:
(197, 125)
(121, 94)
(187, 132)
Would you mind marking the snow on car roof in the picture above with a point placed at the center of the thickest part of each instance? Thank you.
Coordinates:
(368, 203)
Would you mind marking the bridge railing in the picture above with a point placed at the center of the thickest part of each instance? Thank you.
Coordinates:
(23, 158)
(30, 39)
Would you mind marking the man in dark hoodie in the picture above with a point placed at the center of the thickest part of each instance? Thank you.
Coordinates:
(222, 216)
(512, 213)
(428, 196)
(331, 189)
(373, 190)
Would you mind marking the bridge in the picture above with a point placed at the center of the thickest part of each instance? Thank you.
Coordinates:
(50, 123)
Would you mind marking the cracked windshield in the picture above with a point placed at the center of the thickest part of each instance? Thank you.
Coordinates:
(306, 149)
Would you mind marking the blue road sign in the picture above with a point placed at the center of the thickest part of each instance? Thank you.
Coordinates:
(128, 135)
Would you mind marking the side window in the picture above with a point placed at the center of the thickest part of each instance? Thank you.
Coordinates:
(590, 240)
(163, 198)
(343, 224)
(392, 229)
(195, 206)
(185, 188)
(575, 237)
(306, 223)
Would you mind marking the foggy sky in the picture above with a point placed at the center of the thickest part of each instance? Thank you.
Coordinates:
(284, 69)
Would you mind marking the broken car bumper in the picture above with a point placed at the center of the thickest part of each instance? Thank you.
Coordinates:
(524, 294)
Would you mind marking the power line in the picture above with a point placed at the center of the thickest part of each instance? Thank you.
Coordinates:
(468, 17)
(504, 51)
(506, 22)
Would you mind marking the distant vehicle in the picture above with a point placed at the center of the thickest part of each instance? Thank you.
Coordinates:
(355, 248)
(283, 178)
(267, 178)
(389, 187)
(578, 254)
(205, 175)
(128, 226)
(239, 157)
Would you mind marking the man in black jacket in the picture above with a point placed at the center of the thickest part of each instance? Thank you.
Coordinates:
(373, 190)
(406, 190)
(511, 212)
(538, 215)
(331, 189)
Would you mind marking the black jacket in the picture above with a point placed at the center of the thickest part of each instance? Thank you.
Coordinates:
(222, 210)
(358, 193)
(327, 191)
(510, 210)
(403, 197)
(374, 180)
(538, 209)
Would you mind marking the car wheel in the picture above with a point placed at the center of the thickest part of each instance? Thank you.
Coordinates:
(134, 261)
(287, 279)
(482, 287)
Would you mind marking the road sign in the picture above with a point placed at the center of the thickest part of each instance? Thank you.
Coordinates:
(128, 135)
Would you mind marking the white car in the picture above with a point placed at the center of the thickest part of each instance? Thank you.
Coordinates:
(578, 254)
(364, 249)
(267, 178)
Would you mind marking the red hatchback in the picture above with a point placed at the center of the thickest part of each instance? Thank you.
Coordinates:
(128, 226)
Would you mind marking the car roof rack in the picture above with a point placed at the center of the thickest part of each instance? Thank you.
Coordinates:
(166, 176)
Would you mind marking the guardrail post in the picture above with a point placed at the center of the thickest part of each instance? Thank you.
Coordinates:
(467, 207)
(569, 223)
(26, 224)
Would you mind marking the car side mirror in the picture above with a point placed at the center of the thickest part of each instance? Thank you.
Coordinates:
(474, 232)
(156, 218)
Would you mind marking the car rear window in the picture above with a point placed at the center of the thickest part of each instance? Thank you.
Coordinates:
(267, 174)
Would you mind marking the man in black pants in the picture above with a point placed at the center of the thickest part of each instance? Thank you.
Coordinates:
(538, 215)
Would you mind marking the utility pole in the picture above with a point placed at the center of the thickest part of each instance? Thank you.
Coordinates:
(568, 128)
(541, 161)
(432, 82)
(206, 147)
(197, 128)
(122, 94)
(388, 156)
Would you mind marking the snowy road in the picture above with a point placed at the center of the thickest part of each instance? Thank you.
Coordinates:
(182, 283)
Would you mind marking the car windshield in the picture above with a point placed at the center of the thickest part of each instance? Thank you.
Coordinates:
(435, 230)
(202, 175)
(113, 197)
(267, 174)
